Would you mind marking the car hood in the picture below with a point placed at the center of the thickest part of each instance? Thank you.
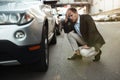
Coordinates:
(17, 6)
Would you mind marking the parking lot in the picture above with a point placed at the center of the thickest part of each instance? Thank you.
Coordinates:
(62, 69)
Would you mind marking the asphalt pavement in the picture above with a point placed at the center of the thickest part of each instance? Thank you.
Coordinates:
(108, 68)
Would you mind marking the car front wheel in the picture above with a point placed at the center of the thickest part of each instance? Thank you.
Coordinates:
(43, 63)
(45, 55)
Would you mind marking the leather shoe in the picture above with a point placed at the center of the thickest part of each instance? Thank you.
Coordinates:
(97, 57)
(75, 56)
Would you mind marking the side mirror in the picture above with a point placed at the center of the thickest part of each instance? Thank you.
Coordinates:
(60, 15)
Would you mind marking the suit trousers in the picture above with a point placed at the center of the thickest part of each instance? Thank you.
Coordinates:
(74, 40)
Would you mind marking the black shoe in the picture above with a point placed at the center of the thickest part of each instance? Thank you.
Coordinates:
(75, 56)
(97, 57)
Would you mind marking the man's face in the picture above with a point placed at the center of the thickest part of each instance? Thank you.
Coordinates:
(73, 16)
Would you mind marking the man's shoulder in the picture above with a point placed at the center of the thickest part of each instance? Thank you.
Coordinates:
(84, 15)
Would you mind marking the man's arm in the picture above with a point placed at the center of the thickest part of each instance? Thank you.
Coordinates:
(67, 25)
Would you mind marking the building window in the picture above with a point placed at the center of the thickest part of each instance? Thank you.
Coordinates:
(80, 0)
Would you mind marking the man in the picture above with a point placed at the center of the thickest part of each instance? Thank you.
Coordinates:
(82, 31)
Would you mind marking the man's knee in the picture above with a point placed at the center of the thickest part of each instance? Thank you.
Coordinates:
(70, 34)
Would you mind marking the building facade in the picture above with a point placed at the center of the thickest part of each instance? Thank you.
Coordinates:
(98, 6)
(92, 6)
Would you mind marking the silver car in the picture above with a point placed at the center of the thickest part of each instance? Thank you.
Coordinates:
(26, 29)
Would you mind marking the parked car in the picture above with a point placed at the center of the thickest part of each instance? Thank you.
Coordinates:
(101, 18)
(115, 17)
(57, 21)
(27, 27)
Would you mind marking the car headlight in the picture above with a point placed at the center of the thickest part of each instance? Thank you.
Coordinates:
(15, 18)
(3, 18)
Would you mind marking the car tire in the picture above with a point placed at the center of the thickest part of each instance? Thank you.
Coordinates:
(45, 51)
(43, 64)
(57, 29)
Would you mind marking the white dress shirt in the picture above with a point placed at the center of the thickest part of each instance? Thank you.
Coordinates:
(77, 26)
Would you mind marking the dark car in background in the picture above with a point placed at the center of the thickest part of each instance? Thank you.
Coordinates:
(26, 29)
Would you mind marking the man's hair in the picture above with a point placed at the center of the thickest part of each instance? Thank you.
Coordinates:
(73, 10)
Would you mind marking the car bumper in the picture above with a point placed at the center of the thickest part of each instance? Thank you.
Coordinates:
(11, 54)
(22, 35)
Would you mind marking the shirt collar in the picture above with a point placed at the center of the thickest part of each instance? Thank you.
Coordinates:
(78, 20)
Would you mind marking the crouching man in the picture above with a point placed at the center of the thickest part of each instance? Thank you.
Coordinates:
(83, 32)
